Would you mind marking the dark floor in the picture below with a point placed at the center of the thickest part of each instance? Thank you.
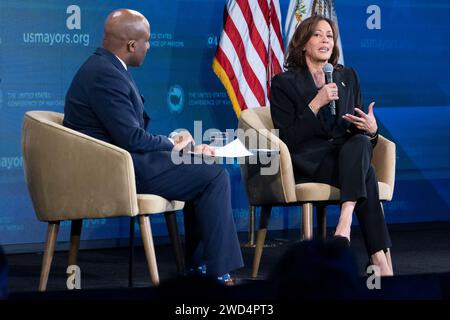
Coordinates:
(417, 249)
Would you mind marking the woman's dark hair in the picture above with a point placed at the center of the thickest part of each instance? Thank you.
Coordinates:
(295, 58)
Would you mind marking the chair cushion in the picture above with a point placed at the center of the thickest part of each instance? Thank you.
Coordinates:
(312, 192)
(150, 203)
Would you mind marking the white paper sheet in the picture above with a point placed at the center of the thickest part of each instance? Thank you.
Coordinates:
(234, 149)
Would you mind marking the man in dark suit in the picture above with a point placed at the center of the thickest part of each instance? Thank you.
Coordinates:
(104, 102)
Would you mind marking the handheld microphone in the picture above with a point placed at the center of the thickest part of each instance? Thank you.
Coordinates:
(328, 70)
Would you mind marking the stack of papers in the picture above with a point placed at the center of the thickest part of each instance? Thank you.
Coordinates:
(234, 149)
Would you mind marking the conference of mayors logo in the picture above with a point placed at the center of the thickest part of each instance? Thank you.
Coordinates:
(175, 98)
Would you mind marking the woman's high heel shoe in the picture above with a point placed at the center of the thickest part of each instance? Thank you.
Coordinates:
(341, 241)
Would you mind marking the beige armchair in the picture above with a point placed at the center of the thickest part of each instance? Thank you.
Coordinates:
(71, 176)
(280, 189)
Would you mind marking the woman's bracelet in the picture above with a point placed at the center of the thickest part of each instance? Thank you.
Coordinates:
(372, 136)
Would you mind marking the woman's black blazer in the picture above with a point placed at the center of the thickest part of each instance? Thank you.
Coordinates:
(301, 130)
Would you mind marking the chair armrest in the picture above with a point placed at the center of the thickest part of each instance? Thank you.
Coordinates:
(384, 157)
(276, 188)
(72, 176)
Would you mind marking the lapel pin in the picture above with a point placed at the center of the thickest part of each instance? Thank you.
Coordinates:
(343, 84)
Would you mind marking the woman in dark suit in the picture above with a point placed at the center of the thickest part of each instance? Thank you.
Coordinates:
(326, 148)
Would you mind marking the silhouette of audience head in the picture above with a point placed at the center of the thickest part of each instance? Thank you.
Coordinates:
(317, 270)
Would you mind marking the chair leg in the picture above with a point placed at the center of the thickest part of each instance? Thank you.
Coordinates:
(52, 234)
(321, 213)
(172, 226)
(260, 237)
(75, 233)
(131, 253)
(251, 226)
(147, 239)
(307, 221)
(388, 253)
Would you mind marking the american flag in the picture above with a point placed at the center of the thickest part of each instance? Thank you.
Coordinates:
(250, 51)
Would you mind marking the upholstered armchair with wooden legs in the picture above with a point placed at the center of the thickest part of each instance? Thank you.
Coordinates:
(71, 176)
(279, 189)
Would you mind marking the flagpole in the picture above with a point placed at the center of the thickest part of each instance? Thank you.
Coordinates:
(252, 209)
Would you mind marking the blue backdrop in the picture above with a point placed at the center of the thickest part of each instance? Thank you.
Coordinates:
(403, 66)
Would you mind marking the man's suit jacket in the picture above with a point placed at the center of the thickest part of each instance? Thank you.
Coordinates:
(303, 132)
(104, 102)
